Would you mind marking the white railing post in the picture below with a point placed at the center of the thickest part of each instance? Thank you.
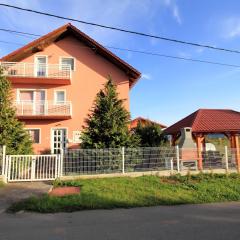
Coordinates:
(3, 159)
(33, 168)
(22, 107)
(123, 160)
(178, 159)
(171, 165)
(8, 168)
(45, 107)
(24, 69)
(70, 108)
(61, 162)
(226, 158)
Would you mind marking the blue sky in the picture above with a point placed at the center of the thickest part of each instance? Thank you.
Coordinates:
(169, 89)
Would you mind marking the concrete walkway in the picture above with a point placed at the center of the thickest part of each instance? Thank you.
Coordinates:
(14, 192)
(185, 222)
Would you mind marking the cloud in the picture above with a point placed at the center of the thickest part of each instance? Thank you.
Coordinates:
(146, 76)
(200, 49)
(184, 54)
(231, 27)
(172, 5)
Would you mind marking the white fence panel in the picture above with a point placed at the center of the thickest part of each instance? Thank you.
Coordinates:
(32, 167)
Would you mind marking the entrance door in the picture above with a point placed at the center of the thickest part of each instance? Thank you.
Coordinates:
(59, 140)
(41, 66)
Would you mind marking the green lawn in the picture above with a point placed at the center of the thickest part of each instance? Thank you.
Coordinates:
(128, 192)
(1, 184)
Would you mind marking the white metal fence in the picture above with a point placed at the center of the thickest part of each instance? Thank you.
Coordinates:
(43, 108)
(124, 160)
(32, 70)
(115, 160)
(32, 167)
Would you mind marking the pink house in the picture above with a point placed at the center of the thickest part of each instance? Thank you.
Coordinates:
(55, 80)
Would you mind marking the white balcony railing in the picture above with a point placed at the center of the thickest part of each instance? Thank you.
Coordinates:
(43, 108)
(31, 70)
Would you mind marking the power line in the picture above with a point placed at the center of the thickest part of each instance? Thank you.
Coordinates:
(121, 29)
(174, 57)
(19, 32)
(157, 55)
(1, 41)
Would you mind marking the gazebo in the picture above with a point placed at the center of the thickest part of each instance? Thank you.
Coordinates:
(209, 121)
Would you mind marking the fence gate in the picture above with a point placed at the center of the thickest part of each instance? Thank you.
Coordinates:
(32, 167)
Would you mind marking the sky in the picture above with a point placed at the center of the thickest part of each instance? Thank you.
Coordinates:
(169, 89)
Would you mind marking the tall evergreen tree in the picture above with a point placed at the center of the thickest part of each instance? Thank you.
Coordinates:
(12, 132)
(107, 124)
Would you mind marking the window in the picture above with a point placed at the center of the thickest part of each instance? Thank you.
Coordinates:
(76, 137)
(67, 61)
(34, 134)
(60, 96)
(41, 66)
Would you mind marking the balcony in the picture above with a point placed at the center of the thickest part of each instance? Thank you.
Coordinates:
(21, 72)
(43, 110)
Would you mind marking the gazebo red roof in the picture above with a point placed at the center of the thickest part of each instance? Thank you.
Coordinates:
(208, 121)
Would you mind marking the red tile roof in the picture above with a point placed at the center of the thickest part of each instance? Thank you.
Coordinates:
(57, 34)
(143, 121)
(208, 121)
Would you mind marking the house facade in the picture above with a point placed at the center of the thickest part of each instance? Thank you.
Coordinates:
(55, 80)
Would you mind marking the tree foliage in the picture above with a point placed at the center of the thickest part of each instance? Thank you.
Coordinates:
(12, 132)
(150, 135)
(107, 124)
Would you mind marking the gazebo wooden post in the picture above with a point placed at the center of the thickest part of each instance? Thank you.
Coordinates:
(174, 139)
(200, 141)
(234, 141)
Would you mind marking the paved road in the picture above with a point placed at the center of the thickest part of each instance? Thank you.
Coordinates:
(211, 221)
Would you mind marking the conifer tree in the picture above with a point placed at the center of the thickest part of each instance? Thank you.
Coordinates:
(150, 135)
(12, 132)
(107, 124)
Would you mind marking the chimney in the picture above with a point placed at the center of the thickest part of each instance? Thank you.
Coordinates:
(186, 140)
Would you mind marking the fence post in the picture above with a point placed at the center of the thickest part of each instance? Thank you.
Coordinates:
(178, 160)
(6, 173)
(171, 165)
(8, 168)
(3, 159)
(123, 160)
(61, 162)
(226, 157)
(33, 168)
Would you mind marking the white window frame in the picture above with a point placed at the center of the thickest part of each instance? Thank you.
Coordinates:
(74, 62)
(40, 134)
(55, 95)
(31, 90)
(35, 64)
(73, 135)
(34, 95)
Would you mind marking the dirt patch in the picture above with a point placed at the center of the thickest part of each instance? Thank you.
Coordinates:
(64, 191)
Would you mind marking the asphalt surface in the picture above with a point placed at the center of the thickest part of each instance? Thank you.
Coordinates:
(209, 221)
(14, 192)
